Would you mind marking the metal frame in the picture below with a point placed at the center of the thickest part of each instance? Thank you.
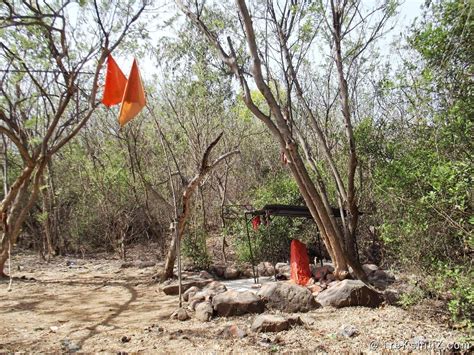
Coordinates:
(285, 211)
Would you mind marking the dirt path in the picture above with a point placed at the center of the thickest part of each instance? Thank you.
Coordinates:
(95, 305)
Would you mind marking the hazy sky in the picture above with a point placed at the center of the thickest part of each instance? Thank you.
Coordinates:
(408, 11)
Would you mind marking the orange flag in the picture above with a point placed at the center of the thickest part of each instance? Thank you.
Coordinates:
(115, 82)
(134, 97)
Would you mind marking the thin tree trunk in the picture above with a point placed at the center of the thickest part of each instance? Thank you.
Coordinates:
(24, 200)
(46, 222)
(186, 204)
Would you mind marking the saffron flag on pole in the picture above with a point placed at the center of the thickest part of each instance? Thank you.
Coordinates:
(134, 96)
(115, 82)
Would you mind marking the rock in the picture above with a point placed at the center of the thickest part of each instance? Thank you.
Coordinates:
(315, 289)
(383, 275)
(234, 303)
(216, 286)
(331, 284)
(217, 270)
(307, 320)
(287, 297)
(173, 288)
(208, 292)
(204, 311)
(233, 331)
(231, 273)
(266, 269)
(193, 303)
(294, 320)
(284, 269)
(350, 293)
(369, 268)
(269, 323)
(205, 275)
(125, 339)
(321, 272)
(381, 279)
(183, 315)
(70, 263)
(391, 296)
(127, 264)
(70, 346)
(330, 278)
(180, 314)
(265, 342)
(190, 292)
(199, 297)
(347, 330)
(203, 295)
(248, 272)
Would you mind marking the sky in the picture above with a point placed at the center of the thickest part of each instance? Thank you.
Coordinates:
(408, 11)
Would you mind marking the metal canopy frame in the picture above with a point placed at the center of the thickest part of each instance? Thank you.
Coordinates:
(291, 211)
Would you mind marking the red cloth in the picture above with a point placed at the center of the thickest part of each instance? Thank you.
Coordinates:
(300, 271)
(134, 98)
(256, 222)
(115, 83)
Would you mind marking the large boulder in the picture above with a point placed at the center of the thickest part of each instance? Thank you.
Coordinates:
(212, 289)
(369, 268)
(216, 287)
(173, 288)
(381, 279)
(266, 269)
(270, 323)
(204, 311)
(190, 292)
(349, 293)
(234, 303)
(287, 297)
(231, 273)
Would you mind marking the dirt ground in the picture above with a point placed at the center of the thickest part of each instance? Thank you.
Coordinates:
(94, 305)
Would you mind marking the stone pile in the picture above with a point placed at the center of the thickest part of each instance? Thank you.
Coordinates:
(207, 298)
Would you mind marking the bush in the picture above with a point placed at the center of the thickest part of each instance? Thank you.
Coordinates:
(271, 242)
(454, 283)
(194, 247)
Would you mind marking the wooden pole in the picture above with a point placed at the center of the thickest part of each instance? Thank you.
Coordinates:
(178, 253)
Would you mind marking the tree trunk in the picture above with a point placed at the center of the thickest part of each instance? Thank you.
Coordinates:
(47, 223)
(15, 213)
(186, 204)
(9, 233)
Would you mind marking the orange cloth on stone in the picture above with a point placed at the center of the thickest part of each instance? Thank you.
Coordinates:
(299, 263)
(134, 97)
(115, 83)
